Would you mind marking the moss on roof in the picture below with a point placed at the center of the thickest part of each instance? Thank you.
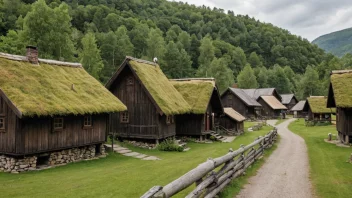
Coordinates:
(342, 88)
(165, 95)
(197, 93)
(318, 105)
(46, 90)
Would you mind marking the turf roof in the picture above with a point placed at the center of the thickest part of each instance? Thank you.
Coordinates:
(169, 100)
(342, 89)
(46, 89)
(197, 93)
(318, 105)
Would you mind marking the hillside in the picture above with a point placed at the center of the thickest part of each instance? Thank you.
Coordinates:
(338, 43)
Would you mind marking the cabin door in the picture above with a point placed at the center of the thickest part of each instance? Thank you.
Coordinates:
(207, 122)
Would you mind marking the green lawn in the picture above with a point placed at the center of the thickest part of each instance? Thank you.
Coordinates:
(116, 175)
(330, 174)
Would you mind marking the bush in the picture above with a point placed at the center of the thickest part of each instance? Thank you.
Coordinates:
(169, 145)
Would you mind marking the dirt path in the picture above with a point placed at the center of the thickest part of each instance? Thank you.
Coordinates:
(285, 173)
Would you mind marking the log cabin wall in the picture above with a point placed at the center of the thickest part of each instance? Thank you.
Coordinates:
(166, 129)
(344, 121)
(189, 124)
(8, 134)
(227, 123)
(267, 111)
(37, 135)
(231, 100)
(292, 103)
(144, 120)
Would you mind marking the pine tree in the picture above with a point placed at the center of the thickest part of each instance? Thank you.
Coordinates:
(246, 79)
(90, 55)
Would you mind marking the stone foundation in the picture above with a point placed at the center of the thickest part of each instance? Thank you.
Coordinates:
(16, 165)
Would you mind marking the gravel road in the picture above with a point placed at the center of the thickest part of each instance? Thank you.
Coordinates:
(285, 174)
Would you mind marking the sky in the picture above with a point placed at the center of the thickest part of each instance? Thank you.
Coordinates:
(307, 18)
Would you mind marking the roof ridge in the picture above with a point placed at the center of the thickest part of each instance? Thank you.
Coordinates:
(47, 61)
(141, 60)
(341, 71)
(190, 79)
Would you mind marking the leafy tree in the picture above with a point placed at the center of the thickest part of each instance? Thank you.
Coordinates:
(194, 50)
(246, 79)
(206, 55)
(124, 45)
(50, 30)
(138, 37)
(222, 73)
(262, 77)
(184, 41)
(309, 84)
(90, 55)
(278, 79)
(156, 44)
(254, 60)
(176, 63)
(11, 43)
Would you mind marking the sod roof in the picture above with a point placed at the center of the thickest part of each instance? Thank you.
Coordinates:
(167, 98)
(342, 88)
(317, 104)
(53, 88)
(197, 93)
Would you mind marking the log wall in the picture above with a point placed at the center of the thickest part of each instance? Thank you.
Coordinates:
(229, 99)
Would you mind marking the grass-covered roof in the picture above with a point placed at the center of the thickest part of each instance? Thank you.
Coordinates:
(48, 89)
(342, 88)
(317, 104)
(197, 93)
(168, 99)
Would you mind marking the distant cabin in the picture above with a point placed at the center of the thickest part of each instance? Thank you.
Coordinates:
(203, 97)
(289, 100)
(340, 97)
(241, 102)
(272, 107)
(317, 110)
(152, 101)
(48, 105)
(298, 110)
(232, 121)
(269, 99)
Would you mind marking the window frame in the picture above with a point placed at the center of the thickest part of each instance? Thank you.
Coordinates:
(169, 119)
(89, 120)
(3, 128)
(124, 117)
(55, 119)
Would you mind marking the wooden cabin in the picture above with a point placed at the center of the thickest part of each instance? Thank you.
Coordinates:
(256, 93)
(48, 106)
(340, 97)
(289, 100)
(241, 102)
(232, 121)
(317, 110)
(203, 97)
(152, 101)
(272, 107)
(298, 110)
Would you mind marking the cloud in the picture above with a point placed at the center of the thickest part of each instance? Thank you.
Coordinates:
(307, 18)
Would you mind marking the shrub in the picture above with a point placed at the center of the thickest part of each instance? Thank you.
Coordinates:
(169, 145)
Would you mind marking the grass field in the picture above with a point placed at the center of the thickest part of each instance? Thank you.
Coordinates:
(116, 175)
(330, 173)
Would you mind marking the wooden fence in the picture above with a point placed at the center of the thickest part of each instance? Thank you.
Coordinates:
(210, 182)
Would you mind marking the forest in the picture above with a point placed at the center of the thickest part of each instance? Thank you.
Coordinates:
(189, 41)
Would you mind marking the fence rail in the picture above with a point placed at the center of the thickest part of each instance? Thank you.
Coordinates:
(210, 182)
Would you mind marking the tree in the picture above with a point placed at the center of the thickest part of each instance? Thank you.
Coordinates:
(138, 36)
(176, 63)
(184, 40)
(124, 45)
(290, 74)
(278, 79)
(206, 55)
(194, 51)
(309, 84)
(254, 60)
(90, 56)
(246, 79)
(262, 77)
(50, 30)
(11, 43)
(155, 44)
(222, 73)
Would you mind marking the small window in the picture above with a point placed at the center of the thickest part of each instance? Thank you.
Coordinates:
(124, 117)
(87, 121)
(130, 81)
(168, 119)
(2, 123)
(58, 123)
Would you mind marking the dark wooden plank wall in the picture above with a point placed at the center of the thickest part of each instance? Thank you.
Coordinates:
(344, 121)
(37, 135)
(8, 136)
(230, 124)
(189, 124)
(237, 104)
(144, 120)
(291, 104)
